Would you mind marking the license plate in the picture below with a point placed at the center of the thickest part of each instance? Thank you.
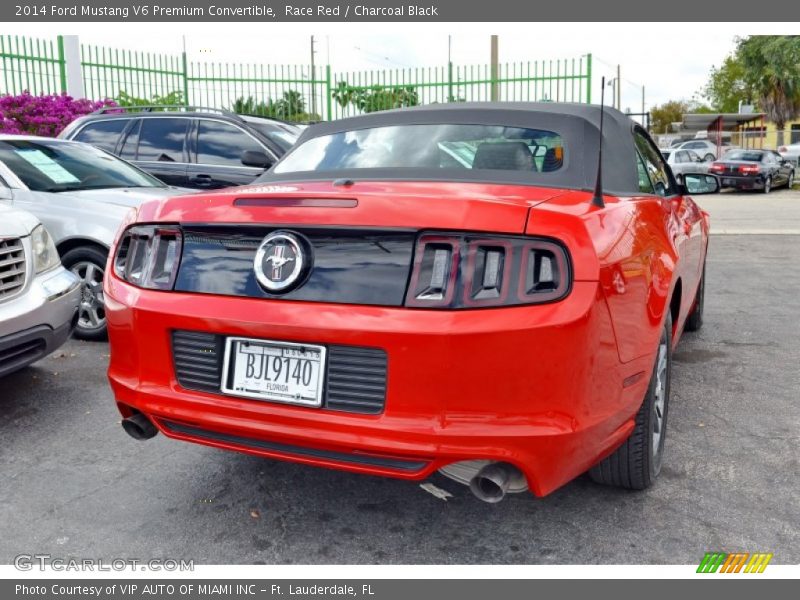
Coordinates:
(274, 371)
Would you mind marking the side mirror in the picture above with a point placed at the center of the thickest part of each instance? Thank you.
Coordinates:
(700, 183)
(256, 158)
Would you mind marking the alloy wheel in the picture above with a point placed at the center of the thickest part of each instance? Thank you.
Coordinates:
(91, 311)
(660, 400)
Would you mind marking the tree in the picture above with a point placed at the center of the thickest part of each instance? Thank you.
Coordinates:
(661, 117)
(171, 99)
(375, 98)
(727, 87)
(291, 106)
(771, 65)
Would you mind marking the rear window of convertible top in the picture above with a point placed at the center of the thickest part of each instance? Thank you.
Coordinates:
(438, 146)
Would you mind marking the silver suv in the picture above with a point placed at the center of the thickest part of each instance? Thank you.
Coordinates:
(38, 297)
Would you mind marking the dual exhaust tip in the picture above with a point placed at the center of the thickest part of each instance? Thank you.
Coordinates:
(490, 484)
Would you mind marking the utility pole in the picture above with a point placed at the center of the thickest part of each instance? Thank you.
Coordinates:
(450, 97)
(642, 99)
(619, 88)
(313, 81)
(495, 69)
(613, 84)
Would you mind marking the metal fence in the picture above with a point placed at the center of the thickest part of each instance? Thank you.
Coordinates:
(295, 91)
(554, 80)
(109, 72)
(32, 64)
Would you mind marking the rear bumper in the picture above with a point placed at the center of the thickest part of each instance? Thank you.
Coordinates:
(540, 387)
(742, 183)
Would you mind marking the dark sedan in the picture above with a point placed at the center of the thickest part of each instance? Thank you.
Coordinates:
(753, 170)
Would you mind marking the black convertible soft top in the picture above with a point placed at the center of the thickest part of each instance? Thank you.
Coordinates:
(577, 124)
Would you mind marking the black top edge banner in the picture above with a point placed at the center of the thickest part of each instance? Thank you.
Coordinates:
(321, 11)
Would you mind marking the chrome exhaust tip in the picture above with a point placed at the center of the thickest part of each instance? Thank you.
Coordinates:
(494, 481)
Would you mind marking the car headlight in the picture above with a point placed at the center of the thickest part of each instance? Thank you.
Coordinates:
(45, 255)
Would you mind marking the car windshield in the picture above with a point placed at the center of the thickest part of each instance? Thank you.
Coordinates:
(284, 138)
(437, 146)
(55, 166)
(744, 155)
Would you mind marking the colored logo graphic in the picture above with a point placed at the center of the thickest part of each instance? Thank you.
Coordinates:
(739, 562)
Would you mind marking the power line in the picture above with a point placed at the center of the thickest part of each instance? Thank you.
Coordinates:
(382, 58)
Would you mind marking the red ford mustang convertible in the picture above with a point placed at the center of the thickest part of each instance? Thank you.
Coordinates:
(446, 288)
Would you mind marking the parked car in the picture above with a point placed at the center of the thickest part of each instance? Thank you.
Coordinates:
(38, 297)
(82, 195)
(790, 152)
(703, 148)
(754, 170)
(372, 304)
(684, 161)
(193, 148)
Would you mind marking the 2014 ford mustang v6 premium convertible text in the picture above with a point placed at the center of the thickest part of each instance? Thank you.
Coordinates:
(442, 288)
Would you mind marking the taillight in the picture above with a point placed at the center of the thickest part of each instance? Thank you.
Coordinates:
(148, 256)
(783, 149)
(716, 168)
(473, 271)
(748, 169)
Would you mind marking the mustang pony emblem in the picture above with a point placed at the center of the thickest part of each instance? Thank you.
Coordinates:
(280, 260)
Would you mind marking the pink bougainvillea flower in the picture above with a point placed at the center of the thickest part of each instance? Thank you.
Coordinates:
(44, 115)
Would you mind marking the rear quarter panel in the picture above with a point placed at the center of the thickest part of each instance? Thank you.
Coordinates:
(630, 246)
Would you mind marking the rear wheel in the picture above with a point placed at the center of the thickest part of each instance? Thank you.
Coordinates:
(637, 462)
(708, 157)
(767, 185)
(790, 180)
(695, 319)
(89, 264)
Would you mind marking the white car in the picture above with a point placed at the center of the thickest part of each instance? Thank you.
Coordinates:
(705, 149)
(38, 297)
(684, 161)
(790, 152)
(82, 195)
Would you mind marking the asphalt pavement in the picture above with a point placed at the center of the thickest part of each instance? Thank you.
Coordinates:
(72, 484)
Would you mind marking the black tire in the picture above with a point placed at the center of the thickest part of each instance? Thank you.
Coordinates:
(89, 263)
(695, 319)
(635, 464)
(709, 157)
(767, 185)
(790, 181)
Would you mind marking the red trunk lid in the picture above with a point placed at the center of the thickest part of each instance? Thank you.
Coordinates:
(417, 205)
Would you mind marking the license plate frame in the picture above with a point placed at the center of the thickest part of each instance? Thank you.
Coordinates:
(230, 362)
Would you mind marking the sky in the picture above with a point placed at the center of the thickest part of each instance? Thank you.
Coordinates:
(671, 61)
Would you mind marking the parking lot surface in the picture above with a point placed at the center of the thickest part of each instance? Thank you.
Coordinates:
(73, 484)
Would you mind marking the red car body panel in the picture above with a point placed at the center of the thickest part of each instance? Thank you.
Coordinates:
(550, 388)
